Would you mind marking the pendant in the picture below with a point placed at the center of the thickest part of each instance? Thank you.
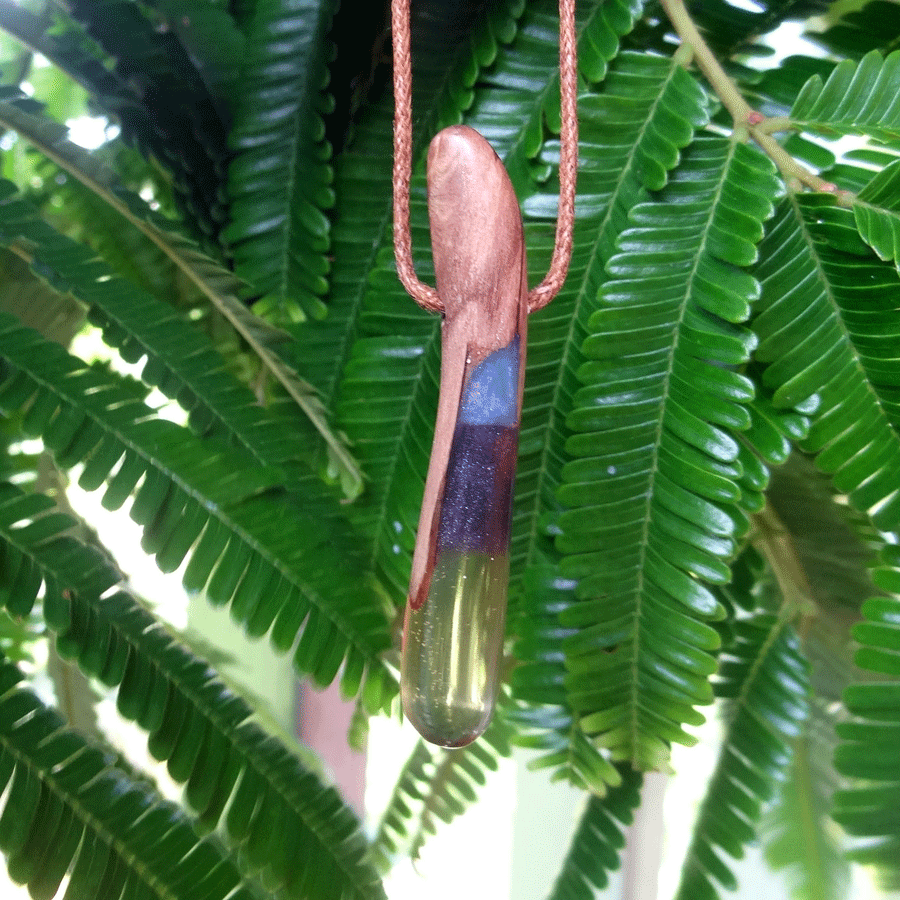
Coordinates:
(456, 611)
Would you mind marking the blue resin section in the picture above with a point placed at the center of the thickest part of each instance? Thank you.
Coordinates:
(492, 394)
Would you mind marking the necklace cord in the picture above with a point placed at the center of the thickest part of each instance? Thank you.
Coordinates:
(426, 296)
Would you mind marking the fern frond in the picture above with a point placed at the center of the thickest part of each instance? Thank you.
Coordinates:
(828, 332)
(876, 211)
(524, 78)
(858, 98)
(546, 720)
(393, 834)
(869, 751)
(652, 491)
(435, 786)
(598, 841)
(279, 176)
(128, 253)
(627, 148)
(160, 98)
(253, 546)
(798, 832)
(764, 681)
(206, 734)
(457, 776)
(70, 809)
(631, 134)
(216, 283)
(180, 360)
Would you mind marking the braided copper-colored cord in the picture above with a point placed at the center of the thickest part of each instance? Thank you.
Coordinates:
(420, 292)
(541, 295)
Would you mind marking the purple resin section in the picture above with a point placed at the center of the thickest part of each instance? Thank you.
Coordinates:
(477, 503)
(476, 507)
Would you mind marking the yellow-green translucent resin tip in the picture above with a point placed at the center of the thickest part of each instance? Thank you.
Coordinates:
(452, 648)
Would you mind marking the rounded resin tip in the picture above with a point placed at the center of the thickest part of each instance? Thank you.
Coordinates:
(452, 646)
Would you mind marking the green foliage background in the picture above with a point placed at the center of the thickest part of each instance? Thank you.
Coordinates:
(708, 496)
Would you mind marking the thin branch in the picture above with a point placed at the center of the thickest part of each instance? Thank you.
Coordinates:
(746, 119)
(773, 540)
(721, 83)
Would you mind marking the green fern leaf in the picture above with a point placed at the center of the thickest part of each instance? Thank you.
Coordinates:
(253, 545)
(216, 283)
(205, 733)
(818, 337)
(180, 361)
(598, 841)
(870, 742)
(876, 210)
(393, 834)
(162, 101)
(764, 680)
(69, 809)
(629, 144)
(856, 99)
(435, 786)
(799, 834)
(547, 724)
(652, 489)
(524, 78)
(279, 177)
(120, 245)
(457, 776)
(631, 134)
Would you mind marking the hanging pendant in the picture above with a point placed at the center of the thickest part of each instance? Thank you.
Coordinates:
(456, 611)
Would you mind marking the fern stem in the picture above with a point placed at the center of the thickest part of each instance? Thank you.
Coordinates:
(747, 121)
(773, 540)
(725, 88)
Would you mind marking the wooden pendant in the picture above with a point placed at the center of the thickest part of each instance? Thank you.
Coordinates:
(456, 611)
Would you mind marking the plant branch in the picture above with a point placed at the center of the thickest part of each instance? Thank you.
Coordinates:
(746, 119)
(774, 542)
(706, 61)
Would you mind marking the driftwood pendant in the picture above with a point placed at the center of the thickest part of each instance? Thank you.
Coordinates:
(455, 615)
